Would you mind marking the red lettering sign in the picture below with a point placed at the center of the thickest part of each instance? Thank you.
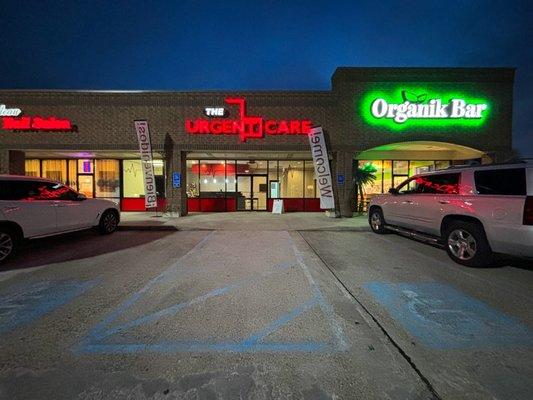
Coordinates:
(246, 126)
(35, 124)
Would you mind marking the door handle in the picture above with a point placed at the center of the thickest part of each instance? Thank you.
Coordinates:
(444, 202)
(407, 202)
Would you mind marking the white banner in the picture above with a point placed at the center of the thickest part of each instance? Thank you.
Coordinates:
(145, 147)
(322, 171)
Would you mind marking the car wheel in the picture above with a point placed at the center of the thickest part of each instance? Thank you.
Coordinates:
(108, 222)
(376, 220)
(467, 244)
(7, 244)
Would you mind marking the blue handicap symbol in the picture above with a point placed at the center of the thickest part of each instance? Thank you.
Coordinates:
(103, 337)
(24, 303)
(441, 317)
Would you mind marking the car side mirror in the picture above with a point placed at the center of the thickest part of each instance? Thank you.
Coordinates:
(81, 197)
(393, 191)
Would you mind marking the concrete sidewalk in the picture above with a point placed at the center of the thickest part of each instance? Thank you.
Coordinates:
(248, 221)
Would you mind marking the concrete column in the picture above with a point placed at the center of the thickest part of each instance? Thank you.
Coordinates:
(345, 192)
(12, 162)
(176, 161)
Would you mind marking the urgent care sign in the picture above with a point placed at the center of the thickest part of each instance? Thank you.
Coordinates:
(219, 122)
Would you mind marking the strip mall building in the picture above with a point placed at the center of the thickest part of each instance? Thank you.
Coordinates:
(233, 151)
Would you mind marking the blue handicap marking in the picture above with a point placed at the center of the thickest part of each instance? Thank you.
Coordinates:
(443, 318)
(24, 303)
(111, 335)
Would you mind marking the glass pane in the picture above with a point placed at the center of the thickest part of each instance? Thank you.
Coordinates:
(418, 167)
(72, 174)
(244, 193)
(86, 185)
(400, 167)
(55, 170)
(370, 172)
(387, 175)
(260, 190)
(442, 164)
(309, 180)
(291, 179)
(107, 178)
(159, 172)
(132, 174)
(85, 166)
(193, 182)
(212, 178)
(272, 179)
(33, 167)
(230, 176)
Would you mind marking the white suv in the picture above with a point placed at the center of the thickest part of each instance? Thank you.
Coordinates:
(474, 211)
(34, 207)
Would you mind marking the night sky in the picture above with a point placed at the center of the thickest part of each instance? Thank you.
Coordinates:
(292, 45)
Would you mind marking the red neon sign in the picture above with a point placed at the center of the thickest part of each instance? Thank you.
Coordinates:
(247, 126)
(36, 124)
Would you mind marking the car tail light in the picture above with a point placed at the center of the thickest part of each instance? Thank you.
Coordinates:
(528, 211)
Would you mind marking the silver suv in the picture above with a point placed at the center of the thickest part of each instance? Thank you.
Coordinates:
(474, 211)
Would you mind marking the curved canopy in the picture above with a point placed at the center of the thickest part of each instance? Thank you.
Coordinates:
(422, 150)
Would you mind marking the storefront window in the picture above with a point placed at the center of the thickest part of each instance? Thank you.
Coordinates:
(309, 180)
(85, 166)
(193, 180)
(418, 167)
(387, 175)
(442, 164)
(55, 170)
(132, 174)
(72, 174)
(273, 182)
(374, 167)
(230, 176)
(212, 178)
(107, 178)
(291, 180)
(33, 167)
(133, 178)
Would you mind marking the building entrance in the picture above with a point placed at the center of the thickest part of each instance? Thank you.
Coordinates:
(252, 192)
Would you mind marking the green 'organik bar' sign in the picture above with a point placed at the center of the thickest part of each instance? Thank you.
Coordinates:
(409, 107)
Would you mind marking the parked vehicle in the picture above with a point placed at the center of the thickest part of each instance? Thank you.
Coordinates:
(473, 211)
(34, 207)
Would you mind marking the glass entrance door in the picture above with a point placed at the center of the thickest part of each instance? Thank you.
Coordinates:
(86, 185)
(252, 192)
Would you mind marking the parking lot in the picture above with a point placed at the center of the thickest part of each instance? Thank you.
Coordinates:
(260, 313)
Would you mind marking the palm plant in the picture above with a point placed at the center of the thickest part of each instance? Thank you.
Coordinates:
(363, 176)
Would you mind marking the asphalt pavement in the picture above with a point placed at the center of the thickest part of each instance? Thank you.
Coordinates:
(270, 313)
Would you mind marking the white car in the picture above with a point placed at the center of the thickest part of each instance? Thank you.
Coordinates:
(474, 211)
(34, 207)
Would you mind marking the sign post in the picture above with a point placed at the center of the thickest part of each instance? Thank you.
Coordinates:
(322, 169)
(145, 147)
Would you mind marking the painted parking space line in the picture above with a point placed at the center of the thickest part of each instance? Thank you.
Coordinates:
(102, 338)
(27, 302)
(443, 318)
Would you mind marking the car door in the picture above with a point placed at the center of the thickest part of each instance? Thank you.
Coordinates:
(21, 203)
(400, 209)
(71, 212)
(436, 196)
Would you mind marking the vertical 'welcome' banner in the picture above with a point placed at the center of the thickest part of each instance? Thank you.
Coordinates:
(322, 170)
(145, 147)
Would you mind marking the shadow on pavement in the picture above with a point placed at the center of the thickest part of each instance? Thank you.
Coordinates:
(77, 245)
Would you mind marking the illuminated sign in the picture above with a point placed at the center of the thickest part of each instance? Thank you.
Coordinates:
(10, 120)
(9, 112)
(419, 107)
(246, 126)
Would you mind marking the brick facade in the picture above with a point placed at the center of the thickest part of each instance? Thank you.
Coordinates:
(104, 120)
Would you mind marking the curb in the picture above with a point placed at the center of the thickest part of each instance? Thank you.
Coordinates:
(161, 228)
